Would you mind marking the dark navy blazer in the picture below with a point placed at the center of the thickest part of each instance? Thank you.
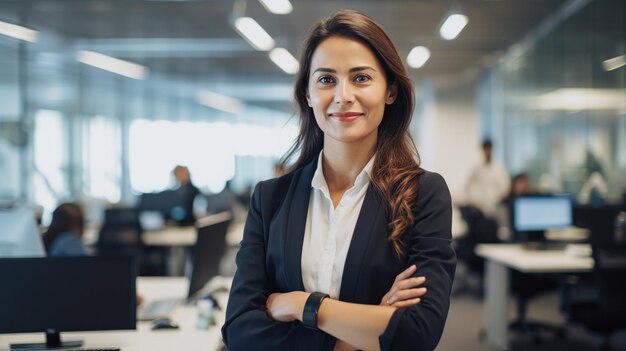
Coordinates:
(270, 254)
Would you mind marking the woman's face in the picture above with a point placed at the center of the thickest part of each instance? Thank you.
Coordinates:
(347, 90)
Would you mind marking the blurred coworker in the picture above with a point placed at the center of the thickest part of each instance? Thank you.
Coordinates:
(187, 192)
(488, 184)
(63, 237)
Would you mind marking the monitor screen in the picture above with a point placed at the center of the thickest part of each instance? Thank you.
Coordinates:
(19, 236)
(168, 203)
(539, 213)
(67, 294)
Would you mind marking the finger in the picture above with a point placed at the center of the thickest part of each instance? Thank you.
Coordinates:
(408, 283)
(409, 294)
(407, 303)
(406, 273)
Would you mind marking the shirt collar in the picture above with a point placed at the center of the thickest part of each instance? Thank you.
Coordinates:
(319, 182)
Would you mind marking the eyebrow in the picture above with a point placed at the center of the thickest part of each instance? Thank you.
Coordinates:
(351, 70)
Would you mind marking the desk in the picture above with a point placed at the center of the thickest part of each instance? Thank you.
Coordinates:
(499, 259)
(145, 339)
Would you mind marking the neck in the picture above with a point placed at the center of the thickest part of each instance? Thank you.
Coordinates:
(342, 162)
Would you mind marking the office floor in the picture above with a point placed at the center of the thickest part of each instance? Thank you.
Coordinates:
(465, 322)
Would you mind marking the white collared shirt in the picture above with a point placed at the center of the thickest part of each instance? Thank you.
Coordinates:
(329, 231)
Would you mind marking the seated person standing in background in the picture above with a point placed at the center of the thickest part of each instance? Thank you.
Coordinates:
(63, 237)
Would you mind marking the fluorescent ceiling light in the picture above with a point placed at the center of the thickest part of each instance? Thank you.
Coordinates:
(283, 59)
(614, 63)
(578, 99)
(18, 32)
(453, 25)
(254, 34)
(279, 7)
(418, 56)
(220, 102)
(111, 64)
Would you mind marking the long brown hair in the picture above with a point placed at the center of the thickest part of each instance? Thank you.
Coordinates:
(396, 167)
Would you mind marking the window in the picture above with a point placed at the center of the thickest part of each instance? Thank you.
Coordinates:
(102, 158)
(50, 153)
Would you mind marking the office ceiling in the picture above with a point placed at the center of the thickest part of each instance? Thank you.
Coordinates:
(191, 40)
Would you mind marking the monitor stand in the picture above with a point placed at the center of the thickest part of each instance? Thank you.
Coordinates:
(53, 341)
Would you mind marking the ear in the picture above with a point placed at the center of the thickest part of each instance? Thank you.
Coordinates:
(308, 100)
(392, 93)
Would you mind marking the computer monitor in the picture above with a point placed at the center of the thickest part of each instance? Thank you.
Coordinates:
(19, 236)
(209, 249)
(168, 203)
(59, 294)
(538, 213)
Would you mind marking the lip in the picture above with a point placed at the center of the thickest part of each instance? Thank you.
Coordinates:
(346, 116)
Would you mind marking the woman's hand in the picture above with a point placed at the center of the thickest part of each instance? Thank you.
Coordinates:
(286, 307)
(404, 291)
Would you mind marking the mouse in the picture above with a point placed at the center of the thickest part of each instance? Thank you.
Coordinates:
(165, 323)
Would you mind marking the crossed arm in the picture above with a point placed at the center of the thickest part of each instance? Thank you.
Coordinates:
(356, 326)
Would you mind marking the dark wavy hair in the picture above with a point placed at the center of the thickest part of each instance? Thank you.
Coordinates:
(68, 217)
(396, 167)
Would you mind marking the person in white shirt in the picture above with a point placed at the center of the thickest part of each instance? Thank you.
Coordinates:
(351, 248)
(488, 184)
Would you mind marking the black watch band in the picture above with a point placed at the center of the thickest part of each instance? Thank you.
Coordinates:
(311, 308)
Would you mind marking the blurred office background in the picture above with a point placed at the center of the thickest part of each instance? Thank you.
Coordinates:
(544, 79)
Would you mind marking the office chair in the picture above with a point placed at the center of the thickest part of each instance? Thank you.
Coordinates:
(480, 230)
(524, 288)
(607, 314)
(121, 234)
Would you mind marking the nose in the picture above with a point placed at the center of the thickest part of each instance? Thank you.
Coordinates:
(343, 93)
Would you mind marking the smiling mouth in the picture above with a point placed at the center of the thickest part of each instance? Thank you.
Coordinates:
(346, 116)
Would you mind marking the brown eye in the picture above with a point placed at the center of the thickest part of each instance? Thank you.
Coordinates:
(362, 78)
(325, 80)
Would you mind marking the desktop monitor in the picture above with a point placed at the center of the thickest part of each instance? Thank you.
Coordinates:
(168, 203)
(208, 251)
(59, 294)
(19, 236)
(538, 213)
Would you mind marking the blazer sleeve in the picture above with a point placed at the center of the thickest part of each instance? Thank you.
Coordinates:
(420, 327)
(247, 325)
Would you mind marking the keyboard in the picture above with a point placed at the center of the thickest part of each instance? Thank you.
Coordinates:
(157, 309)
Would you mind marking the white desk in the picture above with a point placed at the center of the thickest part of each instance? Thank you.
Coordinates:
(145, 339)
(501, 257)
(173, 236)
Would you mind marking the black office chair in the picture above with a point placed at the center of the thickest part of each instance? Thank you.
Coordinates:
(121, 234)
(607, 314)
(480, 230)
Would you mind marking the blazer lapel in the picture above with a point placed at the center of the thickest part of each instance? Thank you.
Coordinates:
(296, 215)
(372, 211)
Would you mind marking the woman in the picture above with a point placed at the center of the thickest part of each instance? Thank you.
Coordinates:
(356, 218)
(63, 237)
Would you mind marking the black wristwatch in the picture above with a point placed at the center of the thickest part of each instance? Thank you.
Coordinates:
(311, 308)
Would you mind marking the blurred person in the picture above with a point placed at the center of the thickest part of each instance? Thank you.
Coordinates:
(351, 248)
(187, 192)
(488, 183)
(64, 235)
(486, 188)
